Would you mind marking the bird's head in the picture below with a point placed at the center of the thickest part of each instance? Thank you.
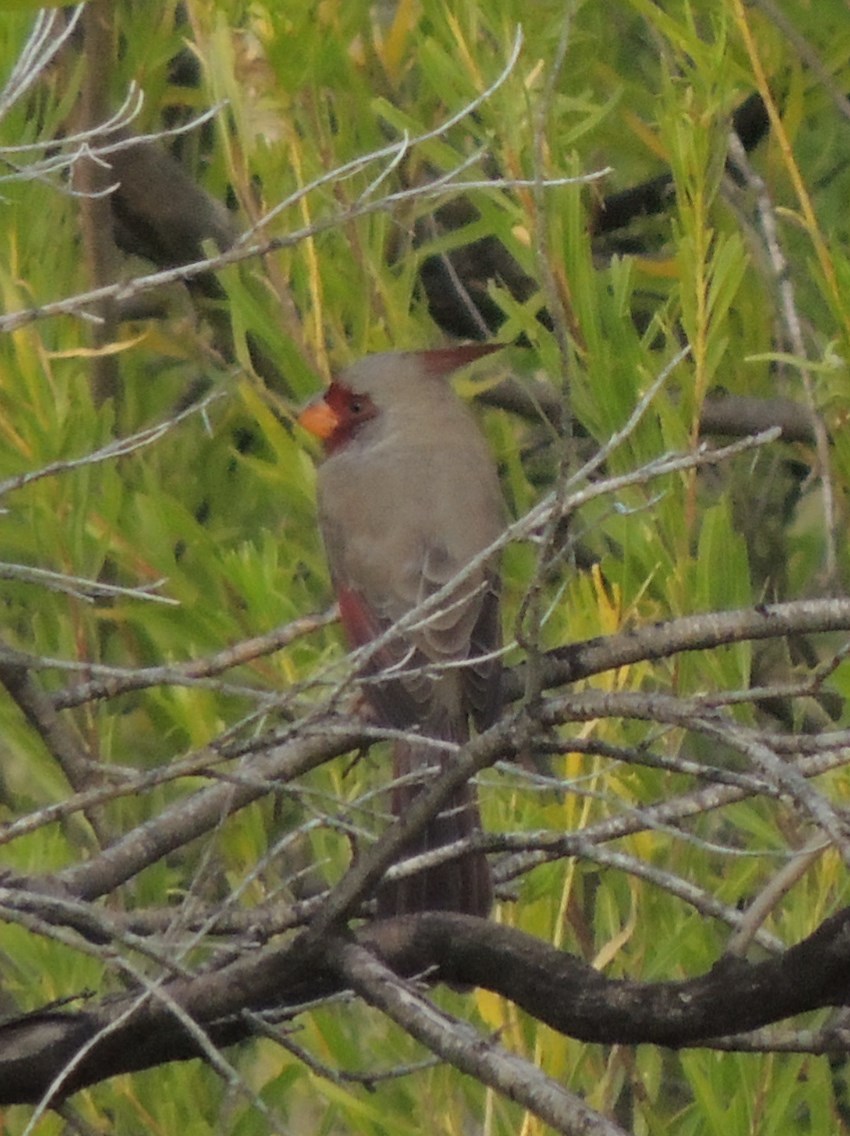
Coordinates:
(392, 381)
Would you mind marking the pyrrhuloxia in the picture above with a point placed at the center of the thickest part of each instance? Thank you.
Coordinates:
(408, 497)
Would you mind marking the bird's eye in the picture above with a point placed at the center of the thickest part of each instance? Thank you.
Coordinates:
(356, 406)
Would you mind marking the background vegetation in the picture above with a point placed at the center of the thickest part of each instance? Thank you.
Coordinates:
(177, 636)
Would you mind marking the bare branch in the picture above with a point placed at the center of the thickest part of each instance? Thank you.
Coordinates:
(182, 1018)
(50, 31)
(467, 1050)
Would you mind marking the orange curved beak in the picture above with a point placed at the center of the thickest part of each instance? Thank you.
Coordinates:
(319, 419)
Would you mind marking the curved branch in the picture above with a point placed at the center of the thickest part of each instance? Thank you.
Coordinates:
(457, 1042)
(137, 1031)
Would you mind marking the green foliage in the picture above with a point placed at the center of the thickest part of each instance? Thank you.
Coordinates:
(215, 519)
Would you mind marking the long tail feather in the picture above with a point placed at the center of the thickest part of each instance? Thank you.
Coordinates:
(464, 884)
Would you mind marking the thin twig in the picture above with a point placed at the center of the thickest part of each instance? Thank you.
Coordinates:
(457, 1042)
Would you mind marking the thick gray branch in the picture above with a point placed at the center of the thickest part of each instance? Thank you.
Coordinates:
(138, 1031)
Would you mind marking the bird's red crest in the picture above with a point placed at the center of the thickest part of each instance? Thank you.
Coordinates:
(444, 360)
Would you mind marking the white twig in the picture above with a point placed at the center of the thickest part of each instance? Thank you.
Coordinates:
(119, 448)
(46, 38)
